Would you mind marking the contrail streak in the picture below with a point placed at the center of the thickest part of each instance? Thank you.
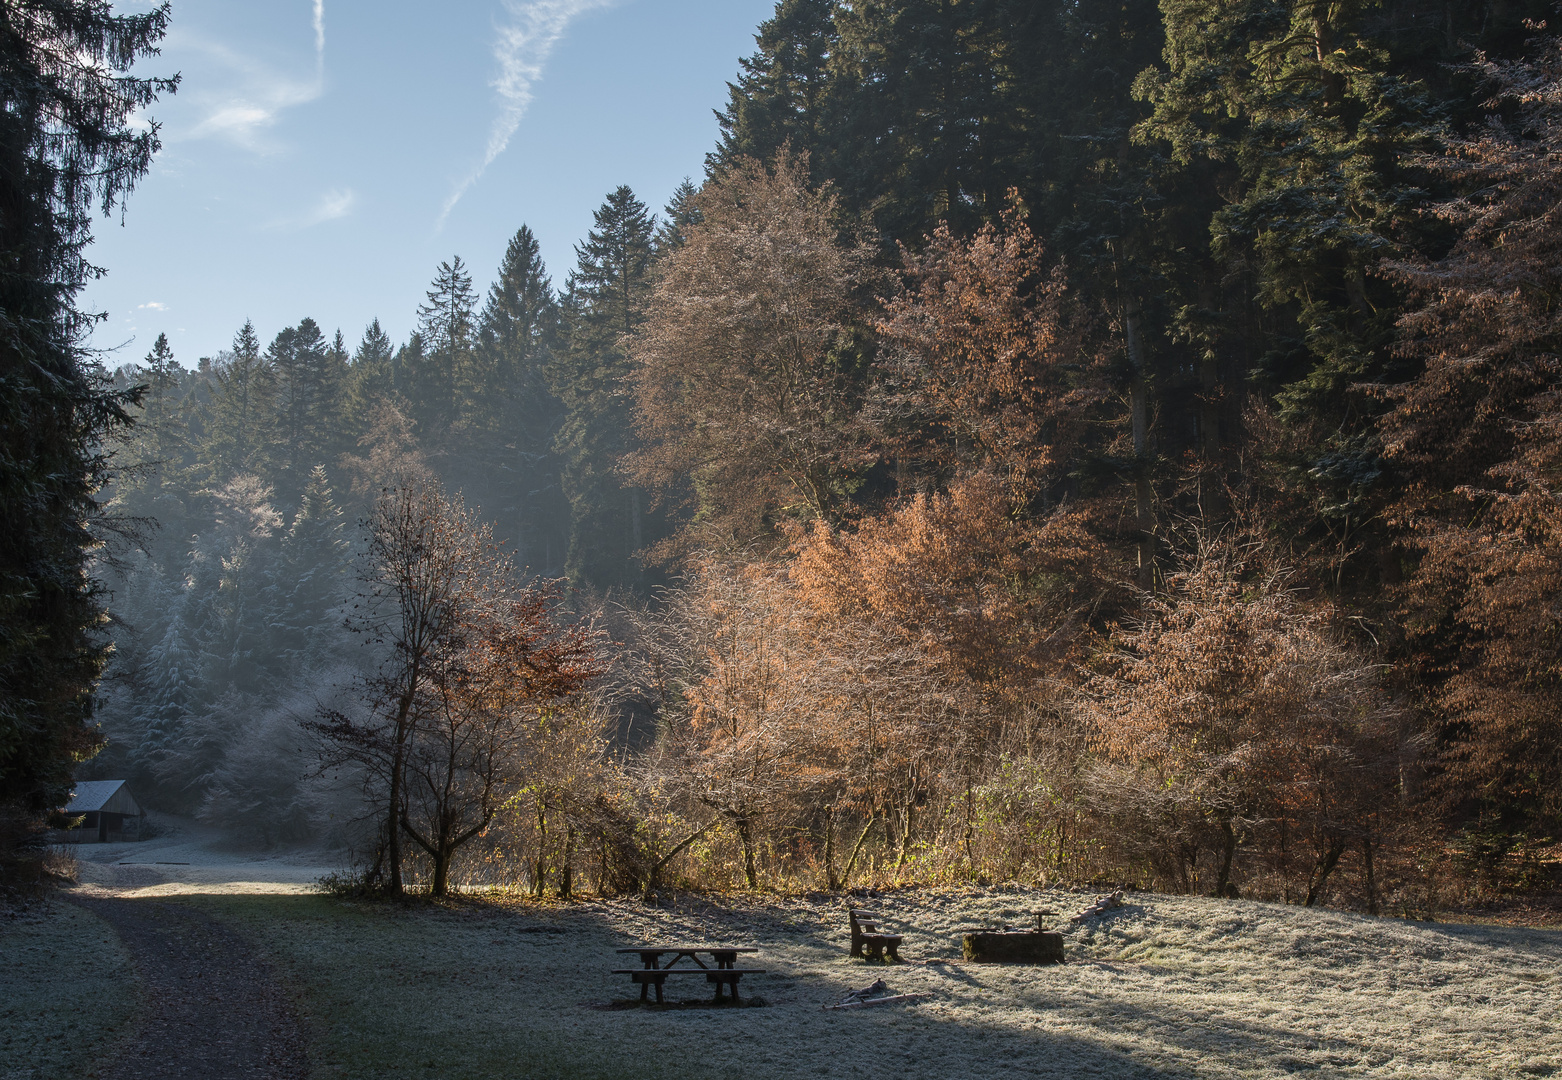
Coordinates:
(522, 48)
(319, 34)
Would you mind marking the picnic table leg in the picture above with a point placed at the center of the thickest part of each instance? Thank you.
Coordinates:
(645, 990)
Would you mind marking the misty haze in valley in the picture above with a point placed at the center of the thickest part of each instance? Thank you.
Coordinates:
(1042, 443)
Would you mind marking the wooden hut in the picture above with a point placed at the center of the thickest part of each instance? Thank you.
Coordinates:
(111, 812)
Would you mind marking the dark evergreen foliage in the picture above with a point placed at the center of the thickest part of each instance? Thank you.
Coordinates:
(68, 148)
(606, 298)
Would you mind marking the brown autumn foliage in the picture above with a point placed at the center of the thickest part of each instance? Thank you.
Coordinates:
(745, 383)
(990, 355)
(1231, 718)
(966, 578)
(800, 731)
(1479, 437)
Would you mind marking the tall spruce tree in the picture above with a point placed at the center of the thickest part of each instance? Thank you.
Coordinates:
(784, 92)
(1297, 116)
(370, 377)
(515, 331)
(162, 426)
(307, 374)
(924, 93)
(606, 300)
(446, 327)
(72, 141)
(242, 399)
(516, 415)
(681, 212)
(313, 577)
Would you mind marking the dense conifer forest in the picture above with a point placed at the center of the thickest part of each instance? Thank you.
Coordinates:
(1052, 441)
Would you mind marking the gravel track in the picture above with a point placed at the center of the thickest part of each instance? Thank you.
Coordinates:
(213, 1009)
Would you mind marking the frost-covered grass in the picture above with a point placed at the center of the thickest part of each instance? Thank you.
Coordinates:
(1167, 986)
(66, 994)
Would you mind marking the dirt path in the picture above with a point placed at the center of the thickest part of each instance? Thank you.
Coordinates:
(214, 1010)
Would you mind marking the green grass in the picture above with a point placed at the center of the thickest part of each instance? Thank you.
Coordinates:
(67, 993)
(388, 992)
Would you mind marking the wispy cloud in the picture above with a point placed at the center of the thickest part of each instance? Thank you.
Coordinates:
(336, 203)
(152, 305)
(522, 47)
(333, 204)
(252, 103)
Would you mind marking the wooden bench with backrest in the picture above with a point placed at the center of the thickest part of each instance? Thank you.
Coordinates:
(649, 977)
(867, 941)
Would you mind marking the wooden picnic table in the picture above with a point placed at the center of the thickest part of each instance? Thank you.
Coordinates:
(653, 972)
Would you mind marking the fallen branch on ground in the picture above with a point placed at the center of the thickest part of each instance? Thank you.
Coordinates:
(861, 999)
(865, 1002)
(1102, 905)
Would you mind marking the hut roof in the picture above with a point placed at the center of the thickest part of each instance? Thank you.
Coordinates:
(109, 796)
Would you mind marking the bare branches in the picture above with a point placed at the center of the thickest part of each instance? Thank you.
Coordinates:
(475, 667)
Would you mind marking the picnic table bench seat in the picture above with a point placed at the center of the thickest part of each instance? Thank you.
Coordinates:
(866, 940)
(725, 973)
(649, 977)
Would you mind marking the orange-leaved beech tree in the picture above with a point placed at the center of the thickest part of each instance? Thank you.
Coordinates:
(1478, 436)
(990, 356)
(473, 663)
(784, 734)
(1231, 717)
(748, 371)
(979, 588)
(797, 728)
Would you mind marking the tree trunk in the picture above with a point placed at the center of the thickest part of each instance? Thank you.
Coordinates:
(856, 850)
(1369, 880)
(393, 843)
(1139, 410)
(905, 834)
(1227, 854)
(566, 879)
(372, 875)
(831, 882)
(441, 886)
(398, 764)
(745, 836)
(1212, 486)
(970, 829)
(1324, 867)
(1062, 848)
(542, 848)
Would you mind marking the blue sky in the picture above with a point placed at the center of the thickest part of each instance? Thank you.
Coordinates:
(322, 156)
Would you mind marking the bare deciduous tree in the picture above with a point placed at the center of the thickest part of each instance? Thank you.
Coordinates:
(472, 660)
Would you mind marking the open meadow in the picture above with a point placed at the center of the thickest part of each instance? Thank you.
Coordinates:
(505, 987)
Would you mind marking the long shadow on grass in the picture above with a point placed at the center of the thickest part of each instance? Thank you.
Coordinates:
(489, 990)
(1531, 939)
(1205, 1035)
